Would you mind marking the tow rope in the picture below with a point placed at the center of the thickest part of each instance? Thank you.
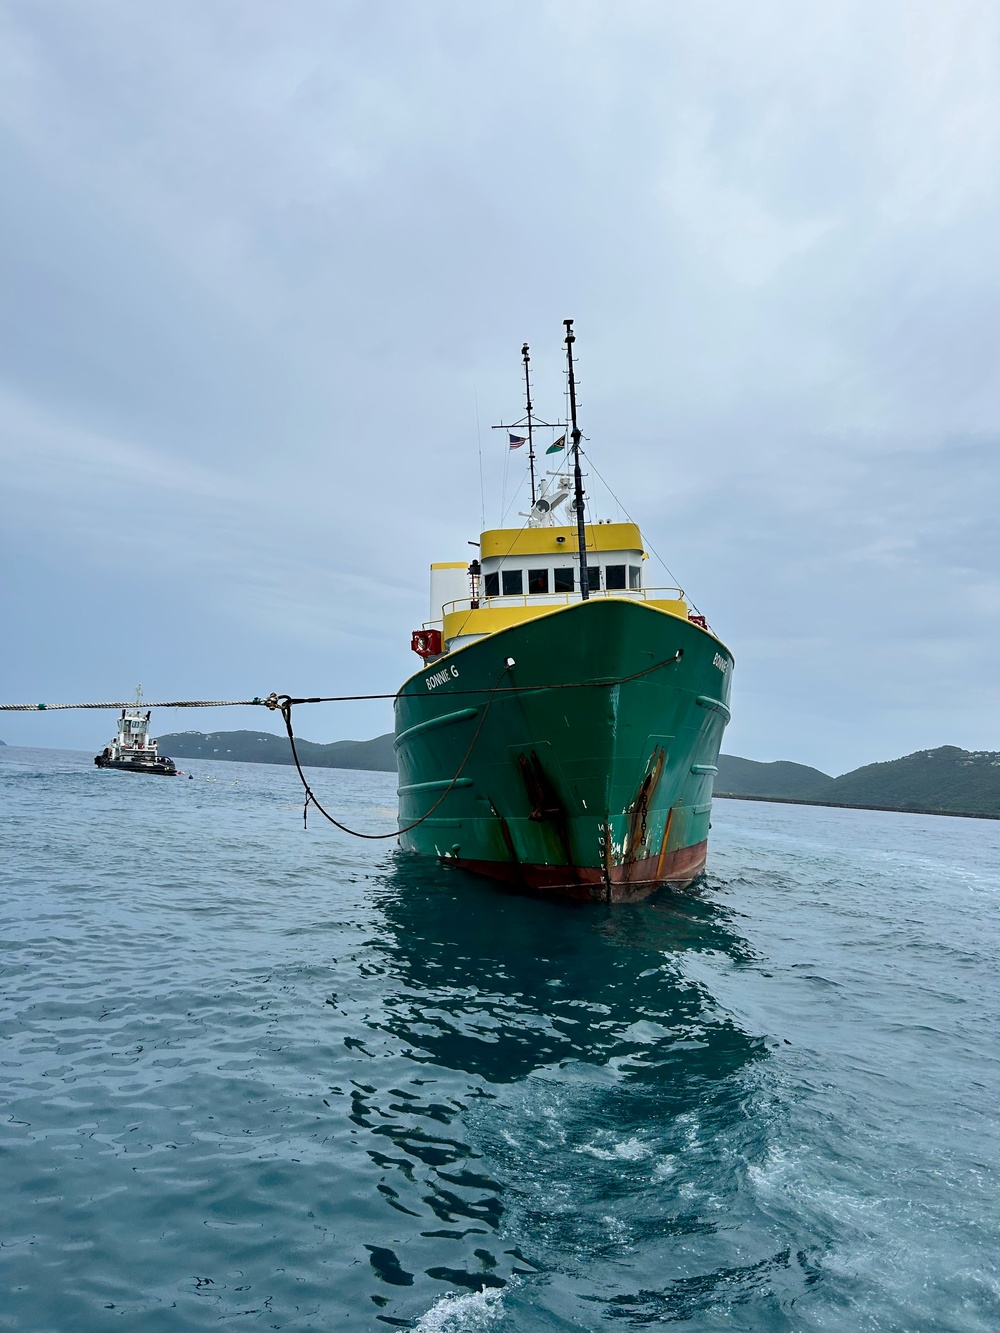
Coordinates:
(284, 703)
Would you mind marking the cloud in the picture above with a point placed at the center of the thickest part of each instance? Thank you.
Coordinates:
(259, 263)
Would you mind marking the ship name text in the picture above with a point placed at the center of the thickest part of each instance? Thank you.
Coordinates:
(439, 677)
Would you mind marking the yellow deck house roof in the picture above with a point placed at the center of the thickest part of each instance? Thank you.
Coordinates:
(544, 541)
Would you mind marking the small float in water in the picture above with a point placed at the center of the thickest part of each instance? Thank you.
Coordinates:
(132, 750)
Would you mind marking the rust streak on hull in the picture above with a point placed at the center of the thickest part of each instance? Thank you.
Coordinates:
(663, 845)
(676, 869)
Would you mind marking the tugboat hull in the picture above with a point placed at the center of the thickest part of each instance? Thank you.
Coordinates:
(164, 767)
(598, 785)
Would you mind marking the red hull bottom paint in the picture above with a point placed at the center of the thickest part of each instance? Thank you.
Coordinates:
(620, 884)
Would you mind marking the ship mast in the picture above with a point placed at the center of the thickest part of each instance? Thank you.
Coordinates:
(581, 530)
(527, 397)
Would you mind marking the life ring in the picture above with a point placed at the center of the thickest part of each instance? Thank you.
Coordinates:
(426, 642)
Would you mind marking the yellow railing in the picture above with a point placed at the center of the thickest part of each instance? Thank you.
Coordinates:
(559, 599)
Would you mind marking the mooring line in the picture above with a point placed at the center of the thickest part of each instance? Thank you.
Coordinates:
(285, 705)
(502, 689)
(131, 703)
(273, 701)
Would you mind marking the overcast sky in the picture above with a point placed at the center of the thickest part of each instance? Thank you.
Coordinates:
(260, 261)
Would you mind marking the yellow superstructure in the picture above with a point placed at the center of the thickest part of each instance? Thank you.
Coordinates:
(498, 543)
(465, 619)
(531, 572)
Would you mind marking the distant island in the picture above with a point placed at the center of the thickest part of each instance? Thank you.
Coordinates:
(263, 747)
(945, 780)
(749, 777)
(936, 781)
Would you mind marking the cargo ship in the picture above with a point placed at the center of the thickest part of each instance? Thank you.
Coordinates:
(563, 731)
(132, 750)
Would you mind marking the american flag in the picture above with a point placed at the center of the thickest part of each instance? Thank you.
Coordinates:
(517, 440)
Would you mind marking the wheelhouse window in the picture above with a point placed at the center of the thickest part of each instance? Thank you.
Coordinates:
(614, 576)
(564, 580)
(492, 583)
(594, 578)
(538, 580)
(513, 582)
(635, 576)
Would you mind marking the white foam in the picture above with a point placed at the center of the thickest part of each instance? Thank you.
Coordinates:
(665, 1169)
(628, 1150)
(463, 1314)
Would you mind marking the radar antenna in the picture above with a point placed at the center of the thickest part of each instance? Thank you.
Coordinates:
(552, 491)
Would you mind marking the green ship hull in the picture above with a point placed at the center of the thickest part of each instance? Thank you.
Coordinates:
(572, 754)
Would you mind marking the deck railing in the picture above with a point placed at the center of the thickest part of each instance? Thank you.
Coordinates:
(560, 599)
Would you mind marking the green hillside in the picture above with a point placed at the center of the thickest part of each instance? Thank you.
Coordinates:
(943, 779)
(747, 777)
(738, 776)
(261, 747)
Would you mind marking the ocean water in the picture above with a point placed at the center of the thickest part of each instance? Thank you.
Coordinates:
(258, 1077)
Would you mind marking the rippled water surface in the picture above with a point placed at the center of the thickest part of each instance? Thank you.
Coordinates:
(255, 1076)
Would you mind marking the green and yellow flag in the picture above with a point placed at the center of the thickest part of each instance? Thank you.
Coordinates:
(556, 445)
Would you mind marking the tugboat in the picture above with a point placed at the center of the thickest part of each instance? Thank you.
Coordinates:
(563, 731)
(132, 750)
